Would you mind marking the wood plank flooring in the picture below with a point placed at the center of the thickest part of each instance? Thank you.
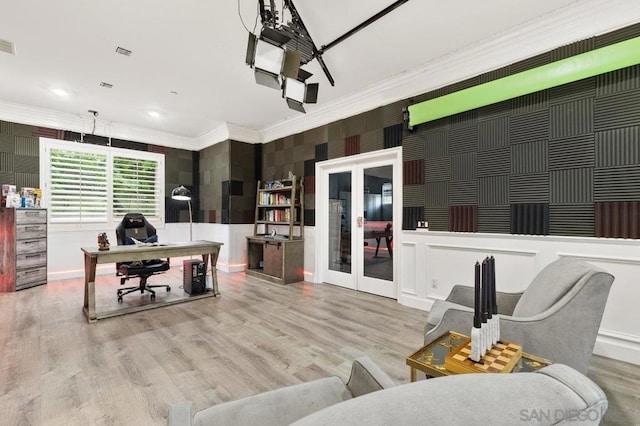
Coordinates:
(56, 369)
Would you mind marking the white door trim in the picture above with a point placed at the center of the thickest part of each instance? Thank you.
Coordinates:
(323, 169)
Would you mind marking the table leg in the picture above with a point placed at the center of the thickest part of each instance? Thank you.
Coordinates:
(89, 307)
(214, 273)
(413, 374)
(389, 247)
(377, 246)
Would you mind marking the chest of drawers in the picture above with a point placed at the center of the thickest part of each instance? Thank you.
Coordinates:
(23, 248)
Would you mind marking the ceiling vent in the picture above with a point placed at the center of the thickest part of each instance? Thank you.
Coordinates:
(123, 51)
(107, 85)
(7, 47)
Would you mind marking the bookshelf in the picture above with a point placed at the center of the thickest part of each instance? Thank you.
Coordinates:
(276, 248)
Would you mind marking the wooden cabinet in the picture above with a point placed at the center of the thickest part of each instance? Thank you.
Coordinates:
(23, 248)
(276, 248)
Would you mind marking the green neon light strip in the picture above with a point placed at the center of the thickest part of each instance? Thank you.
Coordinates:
(578, 67)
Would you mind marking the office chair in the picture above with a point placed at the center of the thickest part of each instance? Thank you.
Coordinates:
(134, 225)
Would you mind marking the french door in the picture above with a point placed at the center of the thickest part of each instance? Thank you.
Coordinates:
(358, 214)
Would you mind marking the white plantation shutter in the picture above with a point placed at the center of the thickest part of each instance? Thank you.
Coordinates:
(77, 187)
(134, 187)
(86, 184)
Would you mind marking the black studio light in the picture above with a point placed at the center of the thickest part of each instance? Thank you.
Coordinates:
(278, 52)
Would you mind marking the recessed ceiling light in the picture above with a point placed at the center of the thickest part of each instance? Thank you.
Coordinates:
(154, 114)
(123, 51)
(60, 92)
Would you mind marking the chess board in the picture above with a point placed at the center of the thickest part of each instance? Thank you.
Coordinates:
(501, 358)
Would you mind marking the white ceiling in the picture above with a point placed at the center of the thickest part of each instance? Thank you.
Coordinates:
(197, 49)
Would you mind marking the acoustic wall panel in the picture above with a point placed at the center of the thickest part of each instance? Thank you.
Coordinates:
(618, 147)
(577, 90)
(6, 162)
(495, 74)
(27, 164)
(413, 146)
(28, 180)
(530, 127)
(7, 143)
(573, 49)
(619, 110)
(374, 120)
(310, 167)
(571, 119)
(463, 219)
(463, 192)
(618, 35)
(575, 220)
(494, 133)
(532, 188)
(6, 128)
(393, 136)
(413, 172)
(322, 152)
(27, 146)
(436, 194)
(537, 101)
(530, 63)
(617, 184)
(335, 131)
(493, 191)
(392, 114)
(494, 111)
(495, 162)
(413, 195)
(437, 169)
(617, 219)
(494, 219)
(531, 157)
(354, 125)
(618, 81)
(438, 218)
(463, 166)
(530, 219)
(572, 152)
(463, 119)
(373, 141)
(336, 149)
(436, 143)
(411, 216)
(463, 139)
(572, 186)
(352, 145)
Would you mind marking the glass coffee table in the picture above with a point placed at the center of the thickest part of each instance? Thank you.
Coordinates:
(430, 358)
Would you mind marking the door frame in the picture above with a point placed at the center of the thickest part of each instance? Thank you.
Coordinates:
(323, 169)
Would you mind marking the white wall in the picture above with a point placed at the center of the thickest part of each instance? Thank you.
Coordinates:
(65, 259)
(432, 262)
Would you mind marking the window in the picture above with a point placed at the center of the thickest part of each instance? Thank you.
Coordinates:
(85, 184)
(387, 193)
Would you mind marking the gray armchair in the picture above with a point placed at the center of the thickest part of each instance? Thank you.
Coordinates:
(557, 317)
(286, 405)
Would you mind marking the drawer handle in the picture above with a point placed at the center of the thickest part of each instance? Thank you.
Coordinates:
(31, 242)
(32, 228)
(31, 272)
(32, 255)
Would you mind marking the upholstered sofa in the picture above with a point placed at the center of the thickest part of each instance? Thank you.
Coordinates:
(556, 394)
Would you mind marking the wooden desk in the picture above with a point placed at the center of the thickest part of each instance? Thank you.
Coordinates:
(130, 253)
(387, 234)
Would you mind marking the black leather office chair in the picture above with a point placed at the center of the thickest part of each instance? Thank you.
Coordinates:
(134, 225)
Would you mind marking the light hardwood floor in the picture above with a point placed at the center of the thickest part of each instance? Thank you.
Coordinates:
(55, 369)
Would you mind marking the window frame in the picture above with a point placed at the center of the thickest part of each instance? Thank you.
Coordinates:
(46, 144)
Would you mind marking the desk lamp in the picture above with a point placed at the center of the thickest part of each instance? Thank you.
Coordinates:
(183, 194)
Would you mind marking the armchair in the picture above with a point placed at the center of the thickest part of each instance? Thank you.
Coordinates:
(135, 225)
(556, 317)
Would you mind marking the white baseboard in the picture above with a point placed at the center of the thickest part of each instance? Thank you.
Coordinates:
(620, 346)
(412, 301)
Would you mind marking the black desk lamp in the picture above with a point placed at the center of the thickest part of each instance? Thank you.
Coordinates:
(183, 194)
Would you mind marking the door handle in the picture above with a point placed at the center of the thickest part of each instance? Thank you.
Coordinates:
(359, 221)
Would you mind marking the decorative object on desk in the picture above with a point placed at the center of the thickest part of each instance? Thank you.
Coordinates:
(183, 194)
(13, 200)
(423, 224)
(103, 241)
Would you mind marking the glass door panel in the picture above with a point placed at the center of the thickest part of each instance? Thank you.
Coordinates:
(339, 258)
(377, 247)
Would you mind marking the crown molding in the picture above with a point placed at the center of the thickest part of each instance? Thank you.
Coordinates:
(43, 117)
(570, 24)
